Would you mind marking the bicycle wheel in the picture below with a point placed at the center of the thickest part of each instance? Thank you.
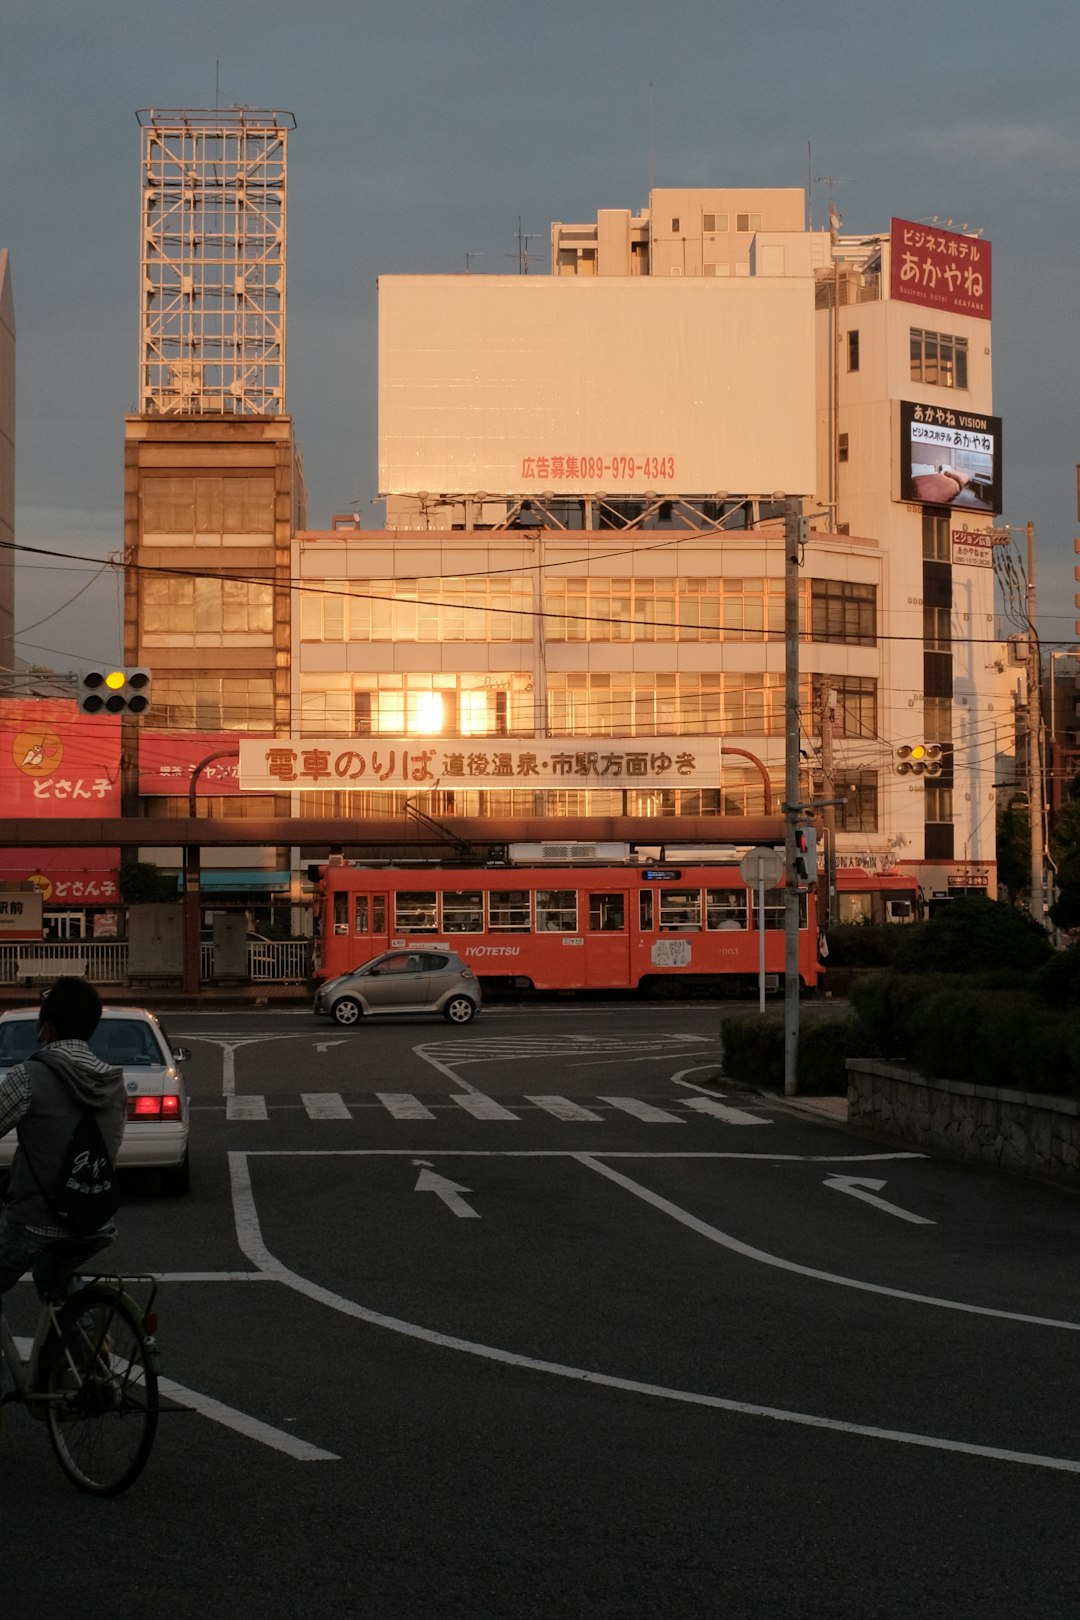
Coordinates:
(102, 1376)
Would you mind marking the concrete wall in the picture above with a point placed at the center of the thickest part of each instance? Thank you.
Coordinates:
(1026, 1132)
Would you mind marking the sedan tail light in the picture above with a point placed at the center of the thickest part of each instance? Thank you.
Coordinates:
(153, 1107)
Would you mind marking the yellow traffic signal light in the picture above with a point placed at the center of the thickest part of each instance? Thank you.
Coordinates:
(114, 691)
(919, 759)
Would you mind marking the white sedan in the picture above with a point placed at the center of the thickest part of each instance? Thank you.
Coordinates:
(156, 1132)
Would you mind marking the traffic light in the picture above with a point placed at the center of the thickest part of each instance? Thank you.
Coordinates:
(805, 857)
(919, 759)
(114, 691)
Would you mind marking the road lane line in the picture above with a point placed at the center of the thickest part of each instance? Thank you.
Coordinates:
(730, 1116)
(245, 1108)
(563, 1108)
(403, 1105)
(241, 1423)
(324, 1105)
(643, 1110)
(726, 1241)
(481, 1107)
(251, 1242)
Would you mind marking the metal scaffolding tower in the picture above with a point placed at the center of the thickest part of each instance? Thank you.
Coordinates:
(212, 290)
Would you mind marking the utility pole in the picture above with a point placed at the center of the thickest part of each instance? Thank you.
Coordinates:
(1035, 767)
(795, 526)
(827, 711)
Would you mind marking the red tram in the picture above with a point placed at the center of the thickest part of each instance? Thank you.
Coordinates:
(661, 928)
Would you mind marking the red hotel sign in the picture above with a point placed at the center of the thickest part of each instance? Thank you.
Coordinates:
(941, 269)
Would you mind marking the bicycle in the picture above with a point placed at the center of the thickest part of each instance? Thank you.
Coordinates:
(91, 1375)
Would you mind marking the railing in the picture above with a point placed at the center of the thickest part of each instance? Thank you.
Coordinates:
(105, 961)
(274, 961)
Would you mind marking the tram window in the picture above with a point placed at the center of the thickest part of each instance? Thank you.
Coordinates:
(680, 909)
(556, 910)
(341, 913)
(463, 912)
(509, 911)
(378, 914)
(645, 910)
(774, 909)
(607, 913)
(414, 912)
(361, 914)
(725, 908)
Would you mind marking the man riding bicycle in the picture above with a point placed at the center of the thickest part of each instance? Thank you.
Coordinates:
(43, 1102)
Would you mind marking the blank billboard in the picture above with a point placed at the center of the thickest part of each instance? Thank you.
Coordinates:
(568, 385)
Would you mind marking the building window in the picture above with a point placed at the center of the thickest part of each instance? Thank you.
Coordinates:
(856, 704)
(939, 359)
(675, 226)
(714, 223)
(939, 805)
(853, 351)
(209, 703)
(936, 541)
(937, 719)
(937, 629)
(418, 705)
(427, 610)
(178, 612)
(841, 610)
(859, 790)
(688, 608)
(178, 511)
(748, 222)
(842, 447)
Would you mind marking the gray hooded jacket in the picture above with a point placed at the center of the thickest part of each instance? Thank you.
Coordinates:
(63, 1082)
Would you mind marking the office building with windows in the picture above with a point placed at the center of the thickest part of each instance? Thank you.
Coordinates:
(583, 475)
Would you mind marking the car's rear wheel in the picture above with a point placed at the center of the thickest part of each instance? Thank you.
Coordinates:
(459, 1010)
(347, 1011)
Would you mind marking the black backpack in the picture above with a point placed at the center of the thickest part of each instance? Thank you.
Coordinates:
(85, 1193)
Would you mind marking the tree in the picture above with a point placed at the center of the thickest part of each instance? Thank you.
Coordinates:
(141, 882)
(1014, 849)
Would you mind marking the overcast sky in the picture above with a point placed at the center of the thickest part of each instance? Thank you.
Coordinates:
(426, 130)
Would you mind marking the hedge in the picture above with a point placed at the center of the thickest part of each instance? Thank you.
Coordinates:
(754, 1051)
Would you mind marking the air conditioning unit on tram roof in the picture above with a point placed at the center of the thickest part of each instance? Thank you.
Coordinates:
(538, 854)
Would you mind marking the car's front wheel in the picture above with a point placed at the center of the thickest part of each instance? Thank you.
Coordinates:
(347, 1011)
(459, 1010)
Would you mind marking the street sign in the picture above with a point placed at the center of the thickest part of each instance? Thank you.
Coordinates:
(761, 866)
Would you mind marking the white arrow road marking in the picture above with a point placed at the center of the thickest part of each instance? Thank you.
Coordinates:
(449, 1191)
(856, 1187)
(251, 1428)
(249, 1235)
(324, 1046)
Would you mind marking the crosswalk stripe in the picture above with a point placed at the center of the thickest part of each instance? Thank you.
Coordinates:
(730, 1116)
(563, 1108)
(403, 1105)
(643, 1110)
(481, 1107)
(324, 1105)
(245, 1108)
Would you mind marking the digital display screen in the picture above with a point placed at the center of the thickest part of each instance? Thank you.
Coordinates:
(950, 458)
(661, 874)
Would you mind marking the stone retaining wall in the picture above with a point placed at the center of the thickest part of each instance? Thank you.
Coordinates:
(1021, 1131)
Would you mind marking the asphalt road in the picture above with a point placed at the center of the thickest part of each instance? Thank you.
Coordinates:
(539, 1318)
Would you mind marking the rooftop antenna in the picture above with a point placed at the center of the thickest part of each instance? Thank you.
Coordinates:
(522, 255)
(651, 150)
(836, 219)
(469, 257)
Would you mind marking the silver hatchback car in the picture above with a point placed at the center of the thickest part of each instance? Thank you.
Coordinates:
(404, 981)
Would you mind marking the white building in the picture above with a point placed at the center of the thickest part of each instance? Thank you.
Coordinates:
(582, 475)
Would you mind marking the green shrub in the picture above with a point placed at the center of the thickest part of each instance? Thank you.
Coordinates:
(754, 1048)
(825, 1044)
(1058, 981)
(971, 936)
(863, 944)
(754, 1051)
(957, 1029)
